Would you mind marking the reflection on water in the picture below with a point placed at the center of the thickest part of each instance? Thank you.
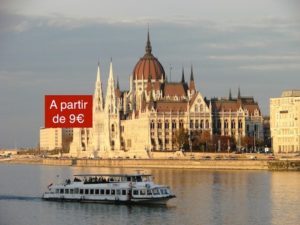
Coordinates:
(203, 197)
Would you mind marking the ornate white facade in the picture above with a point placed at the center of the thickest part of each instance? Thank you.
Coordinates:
(132, 123)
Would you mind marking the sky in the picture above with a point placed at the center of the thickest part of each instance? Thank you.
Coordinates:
(53, 47)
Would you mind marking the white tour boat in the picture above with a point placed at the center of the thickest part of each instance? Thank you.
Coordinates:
(113, 188)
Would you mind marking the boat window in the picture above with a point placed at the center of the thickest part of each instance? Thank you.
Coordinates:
(71, 191)
(76, 190)
(61, 191)
(57, 191)
(139, 179)
(128, 179)
(102, 192)
(113, 192)
(135, 192)
(133, 179)
(118, 192)
(155, 191)
(76, 179)
(97, 192)
(81, 191)
(66, 191)
(86, 191)
(163, 191)
(149, 192)
(107, 192)
(143, 192)
(91, 191)
(123, 192)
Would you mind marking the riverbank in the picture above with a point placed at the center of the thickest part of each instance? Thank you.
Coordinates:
(245, 164)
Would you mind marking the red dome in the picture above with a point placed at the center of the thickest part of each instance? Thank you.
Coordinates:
(148, 66)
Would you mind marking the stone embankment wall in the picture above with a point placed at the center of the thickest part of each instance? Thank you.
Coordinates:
(284, 165)
(176, 163)
(59, 162)
(289, 165)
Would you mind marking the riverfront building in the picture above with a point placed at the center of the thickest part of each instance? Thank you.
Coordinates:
(285, 122)
(147, 117)
(55, 138)
(133, 123)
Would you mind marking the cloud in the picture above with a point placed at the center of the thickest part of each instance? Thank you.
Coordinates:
(281, 58)
(272, 67)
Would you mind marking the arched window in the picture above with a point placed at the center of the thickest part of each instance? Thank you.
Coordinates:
(112, 128)
(166, 124)
(152, 124)
(159, 125)
(240, 124)
(181, 124)
(191, 124)
(207, 124)
(196, 108)
(197, 124)
(173, 124)
(232, 124)
(201, 124)
(201, 108)
(226, 124)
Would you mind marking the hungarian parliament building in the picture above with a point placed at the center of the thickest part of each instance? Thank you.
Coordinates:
(146, 117)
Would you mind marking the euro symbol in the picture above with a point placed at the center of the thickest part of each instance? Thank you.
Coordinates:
(80, 118)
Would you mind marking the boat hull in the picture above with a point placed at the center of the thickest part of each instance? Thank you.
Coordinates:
(158, 201)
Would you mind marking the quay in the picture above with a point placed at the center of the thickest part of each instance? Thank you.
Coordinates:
(170, 163)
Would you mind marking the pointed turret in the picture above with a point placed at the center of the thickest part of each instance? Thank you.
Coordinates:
(230, 95)
(118, 85)
(182, 76)
(192, 82)
(239, 93)
(110, 99)
(192, 73)
(148, 45)
(98, 94)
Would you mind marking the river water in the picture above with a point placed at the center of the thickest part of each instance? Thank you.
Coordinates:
(204, 197)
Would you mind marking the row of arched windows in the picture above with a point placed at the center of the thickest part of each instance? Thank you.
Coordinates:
(167, 124)
(233, 124)
(199, 124)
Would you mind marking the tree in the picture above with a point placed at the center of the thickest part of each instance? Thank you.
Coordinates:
(201, 140)
(247, 142)
(226, 143)
(181, 139)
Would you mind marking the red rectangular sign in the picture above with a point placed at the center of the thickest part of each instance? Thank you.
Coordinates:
(68, 111)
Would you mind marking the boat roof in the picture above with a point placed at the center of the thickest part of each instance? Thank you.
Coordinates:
(112, 175)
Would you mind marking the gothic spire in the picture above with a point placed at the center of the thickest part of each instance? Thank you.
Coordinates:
(98, 94)
(239, 93)
(192, 74)
(110, 100)
(230, 96)
(182, 76)
(148, 44)
(192, 82)
(118, 85)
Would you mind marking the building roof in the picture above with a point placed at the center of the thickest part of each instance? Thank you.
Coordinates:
(227, 105)
(174, 89)
(171, 106)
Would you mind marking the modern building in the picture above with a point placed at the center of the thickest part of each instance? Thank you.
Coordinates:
(146, 118)
(55, 138)
(285, 122)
